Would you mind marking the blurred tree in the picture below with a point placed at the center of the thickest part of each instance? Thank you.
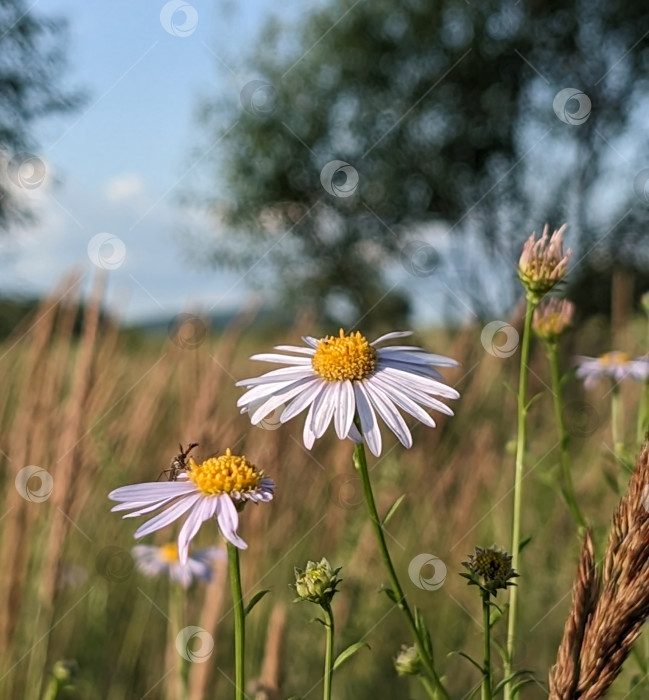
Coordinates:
(32, 63)
(458, 127)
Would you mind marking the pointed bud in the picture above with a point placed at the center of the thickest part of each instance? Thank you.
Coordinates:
(543, 263)
(552, 319)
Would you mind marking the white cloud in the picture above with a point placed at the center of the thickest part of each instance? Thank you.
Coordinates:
(124, 187)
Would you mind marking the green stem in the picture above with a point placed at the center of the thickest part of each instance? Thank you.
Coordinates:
(176, 614)
(329, 653)
(52, 690)
(487, 678)
(617, 427)
(518, 487)
(360, 462)
(239, 620)
(568, 489)
(428, 687)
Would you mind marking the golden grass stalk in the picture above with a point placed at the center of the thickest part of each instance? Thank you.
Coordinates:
(605, 620)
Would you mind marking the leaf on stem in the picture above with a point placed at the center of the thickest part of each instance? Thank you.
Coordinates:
(254, 600)
(392, 510)
(348, 653)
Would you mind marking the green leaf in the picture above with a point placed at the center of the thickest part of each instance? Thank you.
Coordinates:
(502, 652)
(348, 653)
(533, 400)
(505, 681)
(468, 658)
(392, 510)
(422, 628)
(390, 594)
(254, 600)
(523, 543)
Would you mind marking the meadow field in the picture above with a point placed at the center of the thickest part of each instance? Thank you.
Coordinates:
(97, 407)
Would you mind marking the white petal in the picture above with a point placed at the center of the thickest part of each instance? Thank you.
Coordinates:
(404, 402)
(296, 348)
(323, 408)
(228, 518)
(416, 394)
(281, 359)
(303, 400)
(276, 375)
(203, 510)
(345, 409)
(390, 336)
(277, 399)
(308, 434)
(430, 386)
(150, 491)
(167, 516)
(421, 370)
(385, 408)
(313, 342)
(146, 509)
(369, 424)
(263, 391)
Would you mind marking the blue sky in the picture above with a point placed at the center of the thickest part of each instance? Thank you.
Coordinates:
(115, 167)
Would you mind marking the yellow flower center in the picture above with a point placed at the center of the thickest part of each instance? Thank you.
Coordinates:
(344, 357)
(225, 474)
(169, 552)
(614, 358)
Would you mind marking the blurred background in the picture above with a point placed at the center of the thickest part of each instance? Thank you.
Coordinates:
(184, 183)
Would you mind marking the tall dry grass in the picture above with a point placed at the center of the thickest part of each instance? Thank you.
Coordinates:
(99, 408)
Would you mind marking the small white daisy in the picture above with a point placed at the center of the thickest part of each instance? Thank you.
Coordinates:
(155, 561)
(218, 487)
(339, 377)
(613, 365)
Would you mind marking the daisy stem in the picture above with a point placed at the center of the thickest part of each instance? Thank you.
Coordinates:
(360, 462)
(487, 678)
(239, 620)
(518, 488)
(176, 613)
(617, 429)
(329, 652)
(568, 489)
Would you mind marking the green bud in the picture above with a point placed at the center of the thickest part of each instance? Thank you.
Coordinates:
(65, 671)
(644, 302)
(408, 662)
(317, 583)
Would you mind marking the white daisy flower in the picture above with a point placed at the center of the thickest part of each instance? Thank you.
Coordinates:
(339, 377)
(218, 487)
(613, 365)
(155, 561)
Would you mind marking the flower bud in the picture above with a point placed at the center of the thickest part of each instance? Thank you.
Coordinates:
(552, 319)
(317, 583)
(408, 662)
(490, 569)
(543, 263)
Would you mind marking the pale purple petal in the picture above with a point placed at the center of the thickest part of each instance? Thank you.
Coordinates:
(308, 434)
(404, 401)
(410, 353)
(391, 336)
(323, 408)
(425, 384)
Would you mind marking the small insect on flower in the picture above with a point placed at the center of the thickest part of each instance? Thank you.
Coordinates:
(216, 488)
(178, 463)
